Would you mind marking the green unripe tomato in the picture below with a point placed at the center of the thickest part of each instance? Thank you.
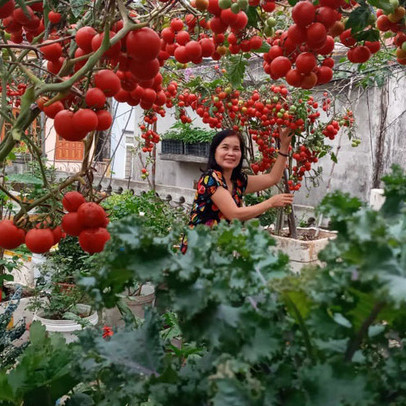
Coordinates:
(268, 31)
(215, 109)
(282, 111)
(224, 4)
(270, 22)
(243, 4)
(279, 115)
(394, 3)
(216, 99)
(371, 19)
(235, 8)
(275, 99)
(292, 109)
(228, 89)
(404, 46)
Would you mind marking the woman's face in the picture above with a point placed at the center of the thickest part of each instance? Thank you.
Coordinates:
(228, 153)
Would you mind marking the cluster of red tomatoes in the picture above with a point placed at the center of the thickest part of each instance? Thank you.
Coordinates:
(74, 126)
(38, 240)
(394, 22)
(16, 21)
(87, 220)
(294, 53)
(150, 136)
(14, 92)
(304, 158)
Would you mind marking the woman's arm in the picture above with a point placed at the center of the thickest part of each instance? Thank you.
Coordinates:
(223, 200)
(261, 182)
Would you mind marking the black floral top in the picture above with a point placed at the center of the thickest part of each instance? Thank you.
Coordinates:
(204, 211)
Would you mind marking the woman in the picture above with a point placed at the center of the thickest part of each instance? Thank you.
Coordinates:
(221, 188)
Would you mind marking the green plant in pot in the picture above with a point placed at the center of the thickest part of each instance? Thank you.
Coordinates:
(57, 298)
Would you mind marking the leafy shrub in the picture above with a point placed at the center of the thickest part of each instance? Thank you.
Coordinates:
(160, 217)
(267, 218)
(333, 335)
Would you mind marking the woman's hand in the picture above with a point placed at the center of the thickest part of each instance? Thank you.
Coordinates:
(285, 136)
(281, 200)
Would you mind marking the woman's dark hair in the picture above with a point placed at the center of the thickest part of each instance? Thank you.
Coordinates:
(217, 140)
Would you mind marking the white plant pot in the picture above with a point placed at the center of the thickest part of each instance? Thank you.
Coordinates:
(304, 252)
(67, 327)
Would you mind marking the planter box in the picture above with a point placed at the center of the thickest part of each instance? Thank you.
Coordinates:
(199, 149)
(172, 147)
(303, 252)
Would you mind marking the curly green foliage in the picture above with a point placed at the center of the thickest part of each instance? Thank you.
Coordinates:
(160, 216)
(253, 334)
(269, 338)
(43, 373)
(8, 351)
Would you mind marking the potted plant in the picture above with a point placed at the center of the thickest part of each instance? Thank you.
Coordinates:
(59, 304)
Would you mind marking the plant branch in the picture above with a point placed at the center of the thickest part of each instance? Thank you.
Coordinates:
(52, 192)
(354, 344)
(106, 43)
(39, 160)
(18, 201)
(301, 324)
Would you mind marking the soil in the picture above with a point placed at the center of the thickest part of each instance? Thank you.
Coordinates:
(308, 234)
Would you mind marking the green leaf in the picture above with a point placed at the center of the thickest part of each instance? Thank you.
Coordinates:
(336, 346)
(335, 386)
(231, 392)
(237, 71)
(123, 349)
(77, 7)
(37, 334)
(341, 320)
(385, 5)
(6, 392)
(301, 301)
(333, 157)
(375, 330)
(396, 286)
(265, 47)
(24, 178)
(368, 35)
(261, 345)
(359, 18)
(253, 16)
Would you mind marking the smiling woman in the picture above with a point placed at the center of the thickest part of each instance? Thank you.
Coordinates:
(221, 188)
